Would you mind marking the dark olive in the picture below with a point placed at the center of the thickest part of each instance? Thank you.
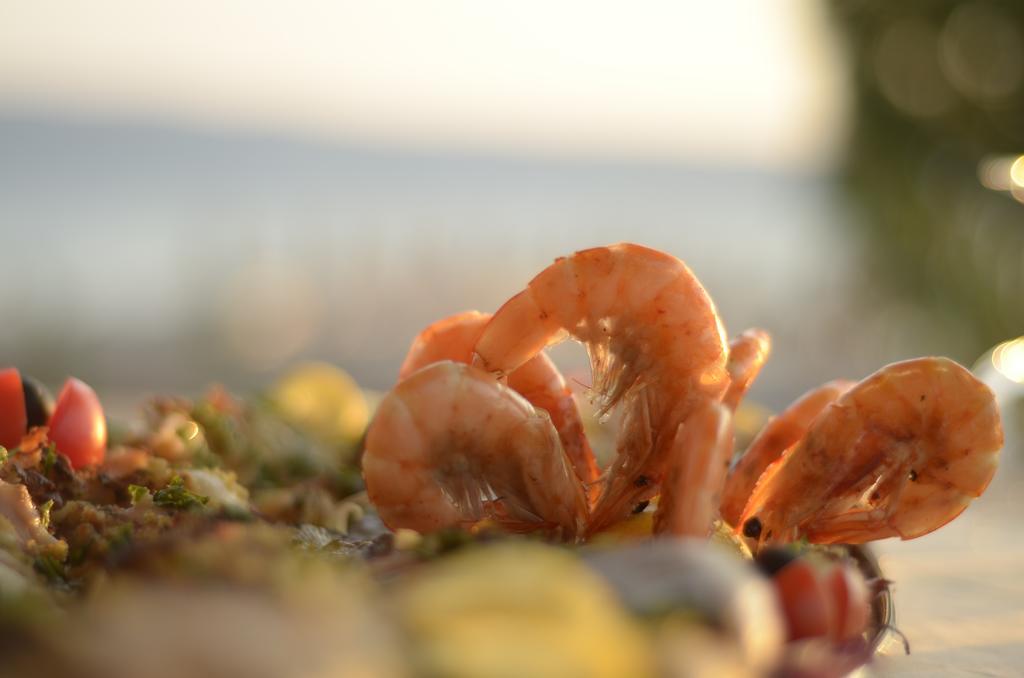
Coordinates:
(38, 402)
(773, 558)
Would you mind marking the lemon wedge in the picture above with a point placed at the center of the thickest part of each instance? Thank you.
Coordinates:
(324, 400)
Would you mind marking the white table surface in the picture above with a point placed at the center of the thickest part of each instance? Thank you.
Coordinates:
(959, 592)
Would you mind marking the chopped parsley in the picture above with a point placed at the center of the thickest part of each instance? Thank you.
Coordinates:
(44, 514)
(50, 567)
(137, 493)
(49, 457)
(121, 537)
(174, 495)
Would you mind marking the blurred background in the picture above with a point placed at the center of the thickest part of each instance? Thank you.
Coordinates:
(211, 191)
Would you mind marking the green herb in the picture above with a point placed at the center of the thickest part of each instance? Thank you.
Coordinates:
(3, 454)
(174, 495)
(137, 493)
(49, 457)
(121, 537)
(50, 567)
(218, 430)
(44, 514)
(77, 553)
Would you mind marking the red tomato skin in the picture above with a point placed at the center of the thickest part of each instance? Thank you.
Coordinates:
(78, 427)
(13, 417)
(851, 602)
(804, 601)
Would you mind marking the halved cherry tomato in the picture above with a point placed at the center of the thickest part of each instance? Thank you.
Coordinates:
(819, 601)
(804, 600)
(78, 427)
(851, 602)
(13, 418)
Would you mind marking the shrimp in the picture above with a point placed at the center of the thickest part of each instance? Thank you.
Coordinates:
(656, 346)
(901, 453)
(778, 435)
(747, 355)
(451, 446)
(689, 493)
(537, 380)
(450, 338)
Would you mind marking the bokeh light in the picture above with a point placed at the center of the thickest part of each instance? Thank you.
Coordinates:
(907, 69)
(1008, 359)
(982, 52)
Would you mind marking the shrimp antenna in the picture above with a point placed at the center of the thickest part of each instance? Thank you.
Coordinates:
(902, 636)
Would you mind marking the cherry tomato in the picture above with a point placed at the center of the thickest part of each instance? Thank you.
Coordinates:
(13, 419)
(78, 427)
(805, 604)
(851, 602)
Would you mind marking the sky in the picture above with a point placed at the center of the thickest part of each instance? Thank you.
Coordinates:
(165, 144)
(733, 82)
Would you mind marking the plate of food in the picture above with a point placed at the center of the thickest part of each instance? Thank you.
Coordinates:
(466, 526)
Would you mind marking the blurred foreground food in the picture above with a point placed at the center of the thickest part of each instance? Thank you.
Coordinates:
(232, 537)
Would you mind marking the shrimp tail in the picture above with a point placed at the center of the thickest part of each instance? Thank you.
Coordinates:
(747, 355)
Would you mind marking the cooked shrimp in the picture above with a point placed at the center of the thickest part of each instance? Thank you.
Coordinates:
(902, 453)
(450, 338)
(775, 438)
(537, 380)
(689, 493)
(747, 355)
(656, 347)
(450, 446)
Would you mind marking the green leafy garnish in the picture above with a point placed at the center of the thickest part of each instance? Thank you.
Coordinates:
(3, 454)
(50, 567)
(49, 457)
(44, 513)
(137, 493)
(121, 537)
(174, 495)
